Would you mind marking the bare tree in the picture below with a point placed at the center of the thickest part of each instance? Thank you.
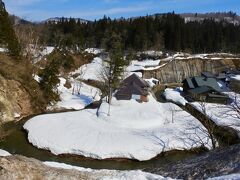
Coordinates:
(107, 78)
(29, 39)
(207, 122)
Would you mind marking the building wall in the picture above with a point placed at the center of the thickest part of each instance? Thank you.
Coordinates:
(144, 98)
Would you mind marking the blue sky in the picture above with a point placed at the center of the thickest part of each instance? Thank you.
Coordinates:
(37, 10)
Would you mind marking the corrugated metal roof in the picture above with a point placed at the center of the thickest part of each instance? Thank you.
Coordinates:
(190, 83)
(210, 82)
(207, 74)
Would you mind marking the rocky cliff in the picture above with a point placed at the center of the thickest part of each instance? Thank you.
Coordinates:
(15, 101)
(177, 70)
(19, 167)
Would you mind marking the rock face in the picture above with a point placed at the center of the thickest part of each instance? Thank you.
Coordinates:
(177, 70)
(216, 163)
(15, 101)
(19, 167)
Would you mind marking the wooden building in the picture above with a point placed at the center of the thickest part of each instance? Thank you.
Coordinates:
(133, 87)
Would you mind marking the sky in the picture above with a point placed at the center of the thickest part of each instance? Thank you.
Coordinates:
(38, 10)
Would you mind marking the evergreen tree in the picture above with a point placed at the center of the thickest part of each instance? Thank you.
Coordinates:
(49, 81)
(112, 74)
(7, 35)
(165, 31)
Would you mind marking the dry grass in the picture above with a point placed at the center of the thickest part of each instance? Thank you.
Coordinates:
(22, 71)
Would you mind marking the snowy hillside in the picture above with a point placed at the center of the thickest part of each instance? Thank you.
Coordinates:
(77, 97)
(91, 71)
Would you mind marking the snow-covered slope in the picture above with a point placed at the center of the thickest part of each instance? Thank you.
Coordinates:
(174, 95)
(223, 115)
(91, 71)
(4, 153)
(133, 130)
(77, 97)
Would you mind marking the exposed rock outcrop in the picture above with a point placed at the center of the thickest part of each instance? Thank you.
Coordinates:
(15, 102)
(19, 167)
(179, 69)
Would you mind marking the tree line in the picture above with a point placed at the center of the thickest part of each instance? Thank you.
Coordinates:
(167, 32)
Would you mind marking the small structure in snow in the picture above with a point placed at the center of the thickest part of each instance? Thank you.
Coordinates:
(133, 87)
(204, 89)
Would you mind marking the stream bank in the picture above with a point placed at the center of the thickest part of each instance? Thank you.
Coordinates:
(17, 143)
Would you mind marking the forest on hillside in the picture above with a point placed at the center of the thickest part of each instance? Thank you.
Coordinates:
(160, 32)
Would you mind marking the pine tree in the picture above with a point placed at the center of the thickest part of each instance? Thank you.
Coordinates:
(49, 81)
(112, 74)
(7, 33)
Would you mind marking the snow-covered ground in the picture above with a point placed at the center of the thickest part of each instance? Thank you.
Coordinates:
(91, 71)
(94, 50)
(40, 52)
(223, 115)
(133, 130)
(236, 77)
(77, 97)
(36, 78)
(47, 50)
(110, 174)
(3, 50)
(152, 81)
(151, 53)
(175, 96)
(147, 65)
(4, 153)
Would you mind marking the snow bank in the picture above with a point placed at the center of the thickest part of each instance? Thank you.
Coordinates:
(3, 50)
(223, 115)
(83, 95)
(236, 77)
(36, 78)
(133, 130)
(40, 52)
(91, 71)
(94, 50)
(109, 174)
(144, 65)
(152, 82)
(175, 96)
(4, 153)
(47, 50)
(152, 53)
